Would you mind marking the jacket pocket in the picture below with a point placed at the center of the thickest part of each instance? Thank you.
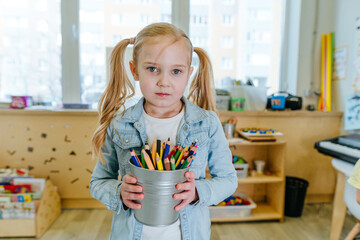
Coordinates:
(127, 140)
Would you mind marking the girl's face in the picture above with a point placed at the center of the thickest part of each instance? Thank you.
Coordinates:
(163, 69)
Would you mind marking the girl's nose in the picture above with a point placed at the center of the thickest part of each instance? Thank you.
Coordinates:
(163, 81)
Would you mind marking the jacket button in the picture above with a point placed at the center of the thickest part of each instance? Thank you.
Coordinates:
(127, 140)
(137, 125)
(184, 216)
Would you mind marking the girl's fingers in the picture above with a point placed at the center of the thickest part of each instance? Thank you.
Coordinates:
(182, 196)
(132, 188)
(131, 204)
(181, 206)
(185, 186)
(129, 179)
(190, 175)
(133, 196)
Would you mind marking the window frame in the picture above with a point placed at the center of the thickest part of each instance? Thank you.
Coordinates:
(180, 17)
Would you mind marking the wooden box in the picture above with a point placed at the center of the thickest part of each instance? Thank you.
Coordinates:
(47, 211)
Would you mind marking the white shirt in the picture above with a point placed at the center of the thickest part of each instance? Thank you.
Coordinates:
(162, 129)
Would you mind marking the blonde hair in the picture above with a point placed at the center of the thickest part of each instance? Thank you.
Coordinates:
(120, 88)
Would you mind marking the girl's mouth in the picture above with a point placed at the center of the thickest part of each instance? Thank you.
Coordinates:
(162, 94)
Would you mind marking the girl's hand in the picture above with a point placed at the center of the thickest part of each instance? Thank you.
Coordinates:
(189, 194)
(130, 192)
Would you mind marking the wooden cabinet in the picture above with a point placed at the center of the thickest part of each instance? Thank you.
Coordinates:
(268, 192)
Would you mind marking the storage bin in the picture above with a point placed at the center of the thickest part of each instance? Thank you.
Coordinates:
(241, 169)
(48, 210)
(233, 211)
(237, 104)
(222, 102)
(255, 97)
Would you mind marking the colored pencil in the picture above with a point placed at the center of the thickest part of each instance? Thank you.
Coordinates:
(172, 163)
(134, 159)
(137, 158)
(186, 163)
(180, 164)
(153, 151)
(167, 164)
(143, 160)
(159, 163)
(177, 154)
(167, 149)
(148, 160)
(182, 153)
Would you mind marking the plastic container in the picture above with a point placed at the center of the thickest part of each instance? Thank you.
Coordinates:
(241, 169)
(233, 211)
(295, 192)
(222, 102)
(278, 102)
(237, 104)
(259, 165)
(159, 187)
(255, 97)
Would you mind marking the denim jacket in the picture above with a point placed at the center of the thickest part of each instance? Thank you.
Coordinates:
(127, 130)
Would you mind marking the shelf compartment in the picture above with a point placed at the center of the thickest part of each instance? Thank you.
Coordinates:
(260, 179)
(263, 211)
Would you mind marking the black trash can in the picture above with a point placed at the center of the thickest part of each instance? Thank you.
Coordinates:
(295, 193)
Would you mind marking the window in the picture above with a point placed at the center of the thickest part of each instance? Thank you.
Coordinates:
(116, 39)
(145, 19)
(116, 19)
(226, 63)
(127, 19)
(199, 20)
(243, 41)
(30, 53)
(251, 29)
(260, 14)
(227, 20)
(227, 42)
(228, 2)
(166, 18)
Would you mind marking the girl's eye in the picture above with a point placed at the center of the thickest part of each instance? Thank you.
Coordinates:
(176, 71)
(152, 69)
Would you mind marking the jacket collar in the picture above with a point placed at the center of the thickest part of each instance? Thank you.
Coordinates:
(193, 113)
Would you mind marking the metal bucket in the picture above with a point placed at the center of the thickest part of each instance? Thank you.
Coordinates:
(159, 187)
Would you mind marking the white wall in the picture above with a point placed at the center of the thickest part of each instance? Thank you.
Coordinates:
(317, 17)
(345, 35)
(320, 17)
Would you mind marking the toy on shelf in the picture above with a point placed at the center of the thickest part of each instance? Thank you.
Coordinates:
(234, 200)
(241, 166)
(259, 134)
(19, 193)
(236, 206)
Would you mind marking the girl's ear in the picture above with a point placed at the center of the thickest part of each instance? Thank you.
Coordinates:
(133, 70)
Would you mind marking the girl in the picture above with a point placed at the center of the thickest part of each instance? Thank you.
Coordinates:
(161, 62)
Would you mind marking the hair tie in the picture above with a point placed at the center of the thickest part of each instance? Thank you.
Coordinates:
(132, 40)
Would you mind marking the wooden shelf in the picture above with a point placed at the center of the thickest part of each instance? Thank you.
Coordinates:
(248, 143)
(269, 191)
(49, 209)
(260, 179)
(263, 211)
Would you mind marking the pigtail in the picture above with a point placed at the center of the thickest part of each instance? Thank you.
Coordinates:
(201, 90)
(117, 91)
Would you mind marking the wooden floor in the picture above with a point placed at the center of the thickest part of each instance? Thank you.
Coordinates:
(94, 224)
